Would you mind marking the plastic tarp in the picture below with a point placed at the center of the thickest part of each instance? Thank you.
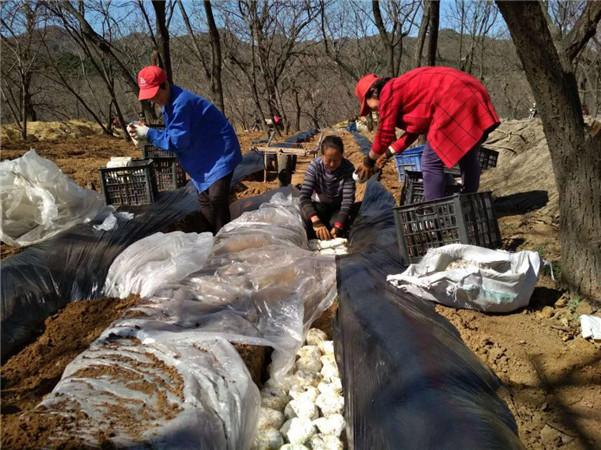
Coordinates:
(252, 203)
(143, 388)
(166, 376)
(251, 163)
(260, 286)
(38, 201)
(157, 260)
(362, 141)
(468, 276)
(409, 380)
(72, 266)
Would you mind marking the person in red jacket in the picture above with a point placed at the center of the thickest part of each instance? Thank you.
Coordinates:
(452, 108)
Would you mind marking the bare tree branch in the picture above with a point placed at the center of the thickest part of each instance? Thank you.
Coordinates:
(584, 29)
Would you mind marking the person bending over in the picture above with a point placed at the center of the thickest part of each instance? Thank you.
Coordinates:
(201, 137)
(451, 108)
(328, 193)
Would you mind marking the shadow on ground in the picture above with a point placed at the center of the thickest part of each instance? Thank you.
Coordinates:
(520, 203)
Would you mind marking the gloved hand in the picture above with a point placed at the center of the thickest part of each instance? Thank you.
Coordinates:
(137, 131)
(382, 160)
(366, 169)
(321, 231)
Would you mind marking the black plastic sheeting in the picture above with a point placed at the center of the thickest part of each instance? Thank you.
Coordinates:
(362, 141)
(302, 136)
(73, 265)
(251, 163)
(410, 382)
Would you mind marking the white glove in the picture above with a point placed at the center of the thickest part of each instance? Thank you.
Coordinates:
(137, 131)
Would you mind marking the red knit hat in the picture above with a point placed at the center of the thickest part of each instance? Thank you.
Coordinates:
(150, 79)
(361, 89)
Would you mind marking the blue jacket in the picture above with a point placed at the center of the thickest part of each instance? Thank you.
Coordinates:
(199, 134)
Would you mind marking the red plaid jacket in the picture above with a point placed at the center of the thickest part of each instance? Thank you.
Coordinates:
(453, 109)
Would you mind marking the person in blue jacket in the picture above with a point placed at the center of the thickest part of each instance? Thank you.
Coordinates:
(201, 137)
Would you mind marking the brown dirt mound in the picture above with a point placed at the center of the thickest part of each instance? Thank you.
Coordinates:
(49, 131)
(35, 370)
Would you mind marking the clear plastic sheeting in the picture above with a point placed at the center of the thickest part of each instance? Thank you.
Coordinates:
(155, 261)
(252, 203)
(409, 380)
(72, 266)
(142, 388)
(468, 276)
(38, 201)
(260, 286)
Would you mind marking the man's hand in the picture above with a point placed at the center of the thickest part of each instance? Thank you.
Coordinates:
(137, 131)
(382, 160)
(321, 231)
(366, 169)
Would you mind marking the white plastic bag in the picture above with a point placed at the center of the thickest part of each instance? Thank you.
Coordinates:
(155, 261)
(467, 276)
(38, 201)
(591, 327)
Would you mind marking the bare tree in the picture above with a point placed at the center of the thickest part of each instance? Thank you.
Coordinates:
(213, 71)
(274, 30)
(21, 32)
(87, 38)
(163, 36)
(400, 20)
(574, 148)
(429, 26)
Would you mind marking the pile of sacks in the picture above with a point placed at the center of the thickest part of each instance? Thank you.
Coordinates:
(305, 411)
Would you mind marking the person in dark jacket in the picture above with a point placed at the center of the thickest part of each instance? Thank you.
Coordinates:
(452, 108)
(201, 137)
(328, 193)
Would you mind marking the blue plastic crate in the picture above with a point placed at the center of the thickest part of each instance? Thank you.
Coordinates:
(410, 159)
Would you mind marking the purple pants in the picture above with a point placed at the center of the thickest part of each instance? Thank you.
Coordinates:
(435, 178)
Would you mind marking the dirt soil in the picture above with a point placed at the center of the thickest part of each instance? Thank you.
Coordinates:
(33, 372)
(552, 376)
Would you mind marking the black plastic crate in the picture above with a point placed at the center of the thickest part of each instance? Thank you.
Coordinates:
(150, 151)
(461, 218)
(169, 174)
(488, 158)
(133, 185)
(412, 190)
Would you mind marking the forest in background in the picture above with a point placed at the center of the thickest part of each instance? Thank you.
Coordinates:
(299, 59)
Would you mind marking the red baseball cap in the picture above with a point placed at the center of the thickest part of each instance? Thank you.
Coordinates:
(150, 79)
(361, 89)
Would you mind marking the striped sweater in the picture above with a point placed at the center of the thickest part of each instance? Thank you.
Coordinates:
(336, 188)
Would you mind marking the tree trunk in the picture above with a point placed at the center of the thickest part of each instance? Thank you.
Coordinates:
(421, 36)
(574, 151)
(216, 59)
(433, 29)
(298, 110)
(386, 40)
(159, 9)
(24, 89)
